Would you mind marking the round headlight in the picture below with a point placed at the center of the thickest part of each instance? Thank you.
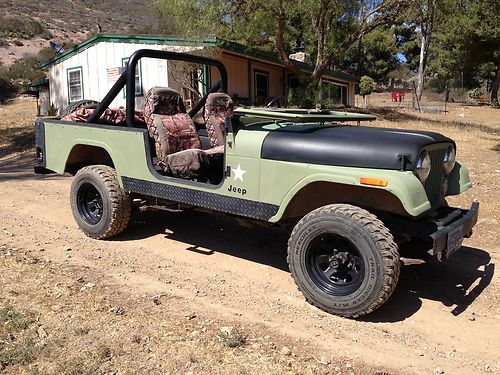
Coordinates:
(423, 166)
(449, 160)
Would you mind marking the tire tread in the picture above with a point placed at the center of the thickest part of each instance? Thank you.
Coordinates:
(119, 200)
(383, 238)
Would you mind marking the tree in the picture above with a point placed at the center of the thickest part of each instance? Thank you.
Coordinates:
(365, 87)
(375, 55)
(467, 44)
(326, 28)
(423, 14)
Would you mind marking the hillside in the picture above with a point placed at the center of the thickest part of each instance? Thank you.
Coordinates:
(66, 21)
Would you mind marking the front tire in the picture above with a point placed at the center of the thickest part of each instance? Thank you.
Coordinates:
(344, 260)
(100, 206)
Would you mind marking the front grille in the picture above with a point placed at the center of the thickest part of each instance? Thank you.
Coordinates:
(433, 184)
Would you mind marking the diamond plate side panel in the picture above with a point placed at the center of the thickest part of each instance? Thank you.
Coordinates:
(230, 205)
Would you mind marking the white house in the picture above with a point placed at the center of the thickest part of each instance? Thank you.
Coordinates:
(89, 70)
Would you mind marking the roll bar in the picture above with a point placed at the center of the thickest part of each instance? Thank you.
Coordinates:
(127, 78)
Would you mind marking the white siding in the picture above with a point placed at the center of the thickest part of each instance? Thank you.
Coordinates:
(95, 61)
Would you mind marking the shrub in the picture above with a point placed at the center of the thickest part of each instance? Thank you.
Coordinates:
(365, 86)
(302, 95)
(7, 89)
(22, 27)
(25, 71)
(52, 110)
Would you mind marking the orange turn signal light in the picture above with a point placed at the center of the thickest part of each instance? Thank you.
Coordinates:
(373, 181)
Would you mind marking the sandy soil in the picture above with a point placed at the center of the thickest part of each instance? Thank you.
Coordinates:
(443, 317)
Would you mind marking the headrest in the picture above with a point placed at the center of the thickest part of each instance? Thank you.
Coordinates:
(217, 101)
(164, 101)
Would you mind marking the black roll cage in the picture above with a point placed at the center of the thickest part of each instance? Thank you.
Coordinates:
(128, 78)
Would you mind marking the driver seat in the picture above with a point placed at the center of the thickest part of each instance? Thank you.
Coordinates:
(178, 147)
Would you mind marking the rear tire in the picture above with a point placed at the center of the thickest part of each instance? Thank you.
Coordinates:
(86, 103)
(344, 260)
(100, 206)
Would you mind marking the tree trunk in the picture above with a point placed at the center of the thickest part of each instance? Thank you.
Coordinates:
(446, 94)
(319, 94)
(426, 30)
(494, 89)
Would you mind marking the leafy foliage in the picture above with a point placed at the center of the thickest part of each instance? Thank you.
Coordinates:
(22, 27)
(326, 29)
(365, 86)
(467, 45)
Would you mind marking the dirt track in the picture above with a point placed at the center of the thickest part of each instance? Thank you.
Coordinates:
(442, 317)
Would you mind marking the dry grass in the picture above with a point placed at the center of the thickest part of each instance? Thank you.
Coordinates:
(17, 132)
(147, 339)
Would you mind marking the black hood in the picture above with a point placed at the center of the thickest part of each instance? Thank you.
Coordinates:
(348, 146)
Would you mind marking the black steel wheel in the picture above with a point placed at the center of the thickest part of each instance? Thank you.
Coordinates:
(89, 203)
(100, 206)
(344, 260)
(335, 264)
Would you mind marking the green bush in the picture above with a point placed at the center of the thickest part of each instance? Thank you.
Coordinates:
(22, 27)
(365, 86)
(476, 94)
(302, 96)
(23, 72)
(7, 89)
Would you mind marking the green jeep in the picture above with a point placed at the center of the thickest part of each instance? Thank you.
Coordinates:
(351, 193)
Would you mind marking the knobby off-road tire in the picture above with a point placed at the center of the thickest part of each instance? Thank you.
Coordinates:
(86, 103)
(344, 260)
(100, 206)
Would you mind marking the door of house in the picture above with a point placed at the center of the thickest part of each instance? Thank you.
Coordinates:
(261, 87)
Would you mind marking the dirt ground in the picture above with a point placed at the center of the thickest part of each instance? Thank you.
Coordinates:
(197, 293)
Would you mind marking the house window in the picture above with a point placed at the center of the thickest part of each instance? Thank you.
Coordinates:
(138, 77)
(75, 84)
(334, 94)
(261, 87)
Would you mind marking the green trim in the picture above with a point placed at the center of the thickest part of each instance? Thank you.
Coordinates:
(171, 40)
(250, 99)
(137, 94)
(38, 84)
(146, 39)
(69, 70)
(205, 79)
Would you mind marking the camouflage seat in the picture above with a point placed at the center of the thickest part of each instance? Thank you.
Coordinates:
(178, 147)
(218, 107)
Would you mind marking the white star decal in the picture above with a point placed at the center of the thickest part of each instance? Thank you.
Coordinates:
(238, 173)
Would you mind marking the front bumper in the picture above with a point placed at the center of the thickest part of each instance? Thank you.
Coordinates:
(451, 230)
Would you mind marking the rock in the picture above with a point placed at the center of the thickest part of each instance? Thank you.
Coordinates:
(226, 330)
(323, 360)
(285, 351)
(117, 310)
(42, 333)
(472, 317)
(439, 370)
(191, 315)
(420, 353)
(80, 280)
